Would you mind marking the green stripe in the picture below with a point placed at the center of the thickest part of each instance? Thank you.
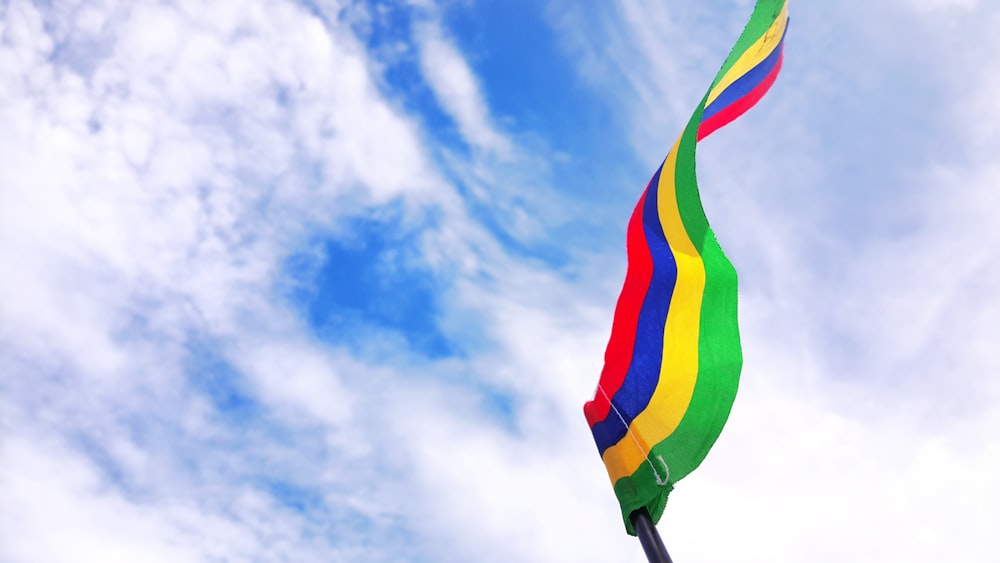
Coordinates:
(719, 355)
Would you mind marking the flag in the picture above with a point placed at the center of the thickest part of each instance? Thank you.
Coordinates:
(673, 361)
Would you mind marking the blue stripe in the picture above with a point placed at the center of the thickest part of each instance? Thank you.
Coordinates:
(746, 83)
(644, 371)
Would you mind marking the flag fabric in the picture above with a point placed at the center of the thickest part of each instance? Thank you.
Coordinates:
(673, 361)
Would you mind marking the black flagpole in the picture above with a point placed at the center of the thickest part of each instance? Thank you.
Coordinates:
(656, 552)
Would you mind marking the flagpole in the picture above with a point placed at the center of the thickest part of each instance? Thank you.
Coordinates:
(656, 552)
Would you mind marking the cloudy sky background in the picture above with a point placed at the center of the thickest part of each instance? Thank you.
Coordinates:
(328, 281)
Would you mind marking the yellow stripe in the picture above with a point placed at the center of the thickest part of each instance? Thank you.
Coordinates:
(752, 56)
(679, 368)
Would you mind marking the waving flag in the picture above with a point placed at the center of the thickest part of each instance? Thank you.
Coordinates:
(673, 361)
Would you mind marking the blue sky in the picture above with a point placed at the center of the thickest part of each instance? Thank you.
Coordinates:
(331, 281)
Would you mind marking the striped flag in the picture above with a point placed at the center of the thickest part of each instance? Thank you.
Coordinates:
(673, 362)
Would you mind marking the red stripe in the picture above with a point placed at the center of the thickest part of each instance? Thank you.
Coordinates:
(740, 106)
(618, 356)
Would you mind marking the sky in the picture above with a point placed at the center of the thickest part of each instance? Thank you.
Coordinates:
(331, 281)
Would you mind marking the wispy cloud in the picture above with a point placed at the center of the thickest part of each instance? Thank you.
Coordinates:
(457, 88)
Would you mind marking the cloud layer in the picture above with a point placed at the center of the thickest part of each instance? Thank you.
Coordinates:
(280, 283)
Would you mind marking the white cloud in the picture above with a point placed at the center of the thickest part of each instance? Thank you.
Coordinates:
(457, 89)
(79, 521)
